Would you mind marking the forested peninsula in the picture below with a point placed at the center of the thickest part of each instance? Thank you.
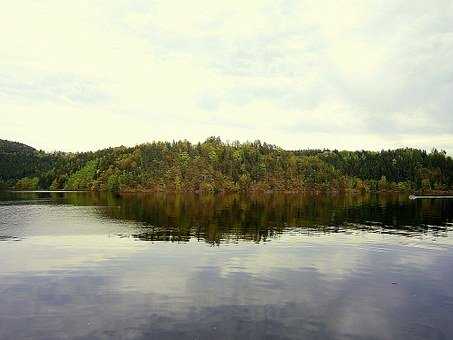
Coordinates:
(216, 166)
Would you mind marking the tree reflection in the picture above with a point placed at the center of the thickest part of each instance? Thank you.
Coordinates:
(234, 217)
(257, 217)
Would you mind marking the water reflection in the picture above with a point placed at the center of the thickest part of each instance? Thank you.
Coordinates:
(229, 218)
(282, 267)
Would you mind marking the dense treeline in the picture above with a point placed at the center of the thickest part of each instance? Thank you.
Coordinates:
(217, 166)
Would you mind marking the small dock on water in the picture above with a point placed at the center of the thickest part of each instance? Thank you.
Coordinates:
(415, 197)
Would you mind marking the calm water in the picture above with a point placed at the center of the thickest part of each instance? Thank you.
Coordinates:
(90, 266)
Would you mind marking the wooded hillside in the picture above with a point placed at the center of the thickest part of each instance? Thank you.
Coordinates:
(214, 166)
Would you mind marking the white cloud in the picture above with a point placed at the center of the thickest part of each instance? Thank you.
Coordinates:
(344, 74)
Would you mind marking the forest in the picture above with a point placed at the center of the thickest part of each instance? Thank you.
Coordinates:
(217, 166)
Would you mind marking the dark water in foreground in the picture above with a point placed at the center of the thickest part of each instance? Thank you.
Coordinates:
(88, 266)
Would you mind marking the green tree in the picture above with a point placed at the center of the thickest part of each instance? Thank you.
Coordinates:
(82, 179)
(27, 183)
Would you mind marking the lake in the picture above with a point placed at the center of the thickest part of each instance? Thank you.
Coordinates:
(263, 266)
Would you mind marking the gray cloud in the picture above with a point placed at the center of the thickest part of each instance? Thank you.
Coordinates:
(50, 88)
(414, 76)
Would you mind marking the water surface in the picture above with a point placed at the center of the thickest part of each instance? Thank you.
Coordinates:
(98, 266)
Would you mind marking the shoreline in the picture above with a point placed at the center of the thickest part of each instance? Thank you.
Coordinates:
(417, 194)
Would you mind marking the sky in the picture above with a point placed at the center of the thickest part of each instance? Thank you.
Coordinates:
(87, 74)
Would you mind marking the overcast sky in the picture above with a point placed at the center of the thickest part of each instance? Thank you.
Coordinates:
(86, 74)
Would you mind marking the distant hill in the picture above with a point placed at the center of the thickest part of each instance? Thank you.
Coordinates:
(12, 147)
(214, 166)
(18, 160)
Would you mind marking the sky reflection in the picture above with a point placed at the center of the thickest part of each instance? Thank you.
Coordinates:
(80, 272)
